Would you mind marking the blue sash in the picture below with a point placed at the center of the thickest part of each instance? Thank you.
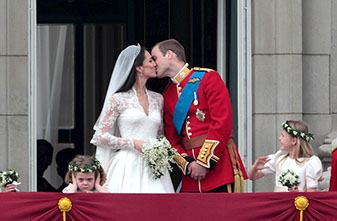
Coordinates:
(185, 99)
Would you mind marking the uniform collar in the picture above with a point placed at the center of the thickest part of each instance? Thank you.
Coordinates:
(182, 74)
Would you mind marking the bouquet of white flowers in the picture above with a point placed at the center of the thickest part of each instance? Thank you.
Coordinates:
(9, 177)
(289, 179)
(158, 154)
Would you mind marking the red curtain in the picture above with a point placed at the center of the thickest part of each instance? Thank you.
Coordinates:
(182, 206)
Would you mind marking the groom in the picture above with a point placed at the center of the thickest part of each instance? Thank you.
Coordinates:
(198, 121)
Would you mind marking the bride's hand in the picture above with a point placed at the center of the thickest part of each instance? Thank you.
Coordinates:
(138, 145)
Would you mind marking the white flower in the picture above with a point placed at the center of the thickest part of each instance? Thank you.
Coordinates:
(289, 179)
(295, 132)
(157, 153)
(8, 177)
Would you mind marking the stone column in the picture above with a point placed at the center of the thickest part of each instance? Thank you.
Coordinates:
(14, 149)
(277, 74)
(317, 74)
(326, 118)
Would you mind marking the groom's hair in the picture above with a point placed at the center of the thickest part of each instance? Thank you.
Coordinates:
(174, 46)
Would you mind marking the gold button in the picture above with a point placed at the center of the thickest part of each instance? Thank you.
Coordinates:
(202, 156)
(188, 122)
(204, 151)
(188, 128)
(188, 117)
(179, 88)
(189, 134)
(206, 147)
(179, 93)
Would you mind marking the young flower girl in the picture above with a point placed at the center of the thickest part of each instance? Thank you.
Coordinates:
(85, 175)
(295, 155)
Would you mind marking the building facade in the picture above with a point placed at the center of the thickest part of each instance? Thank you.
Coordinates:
(294, 71)
(289, 55)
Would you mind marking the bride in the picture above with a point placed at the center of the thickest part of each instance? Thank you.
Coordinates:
(131, 115)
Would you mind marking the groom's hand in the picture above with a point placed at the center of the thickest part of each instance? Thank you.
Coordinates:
(197, 171)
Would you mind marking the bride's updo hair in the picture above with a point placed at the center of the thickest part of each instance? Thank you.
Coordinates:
(133, 73)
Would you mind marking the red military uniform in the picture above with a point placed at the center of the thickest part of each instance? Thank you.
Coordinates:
(333, 179)
(209, 119)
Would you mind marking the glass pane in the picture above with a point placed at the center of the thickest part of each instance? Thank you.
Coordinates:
(67, 107)
(55, 79)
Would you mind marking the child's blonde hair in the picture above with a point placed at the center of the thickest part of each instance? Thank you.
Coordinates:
(303, 146)
(84, 161)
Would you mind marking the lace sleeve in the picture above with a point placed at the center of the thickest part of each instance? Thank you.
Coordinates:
(104, 137)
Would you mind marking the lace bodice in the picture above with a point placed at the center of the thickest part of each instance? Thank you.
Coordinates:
(125, 112)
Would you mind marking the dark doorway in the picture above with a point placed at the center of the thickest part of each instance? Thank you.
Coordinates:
(102, 28)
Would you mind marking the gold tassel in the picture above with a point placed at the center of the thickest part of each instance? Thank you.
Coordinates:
(229, 188)
(242, 182)
(64, 206)
(301, 203)
(237, 181)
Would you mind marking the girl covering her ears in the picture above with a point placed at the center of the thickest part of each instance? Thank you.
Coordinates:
(85, 175)
(295, 154)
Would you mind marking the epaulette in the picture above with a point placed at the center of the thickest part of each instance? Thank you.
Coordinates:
(202, 69)
(333, 149)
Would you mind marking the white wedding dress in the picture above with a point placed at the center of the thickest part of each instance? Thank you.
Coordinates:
(125, 170)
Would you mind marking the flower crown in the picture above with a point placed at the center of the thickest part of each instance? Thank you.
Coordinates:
(88, 169)
(295, 133)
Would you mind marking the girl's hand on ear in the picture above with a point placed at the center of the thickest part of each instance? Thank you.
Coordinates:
(74, 187)
(74, 181)
(98, 186)
(98, 179)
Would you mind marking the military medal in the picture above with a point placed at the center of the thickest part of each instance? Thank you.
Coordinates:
(195, 102)
(200, 115)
